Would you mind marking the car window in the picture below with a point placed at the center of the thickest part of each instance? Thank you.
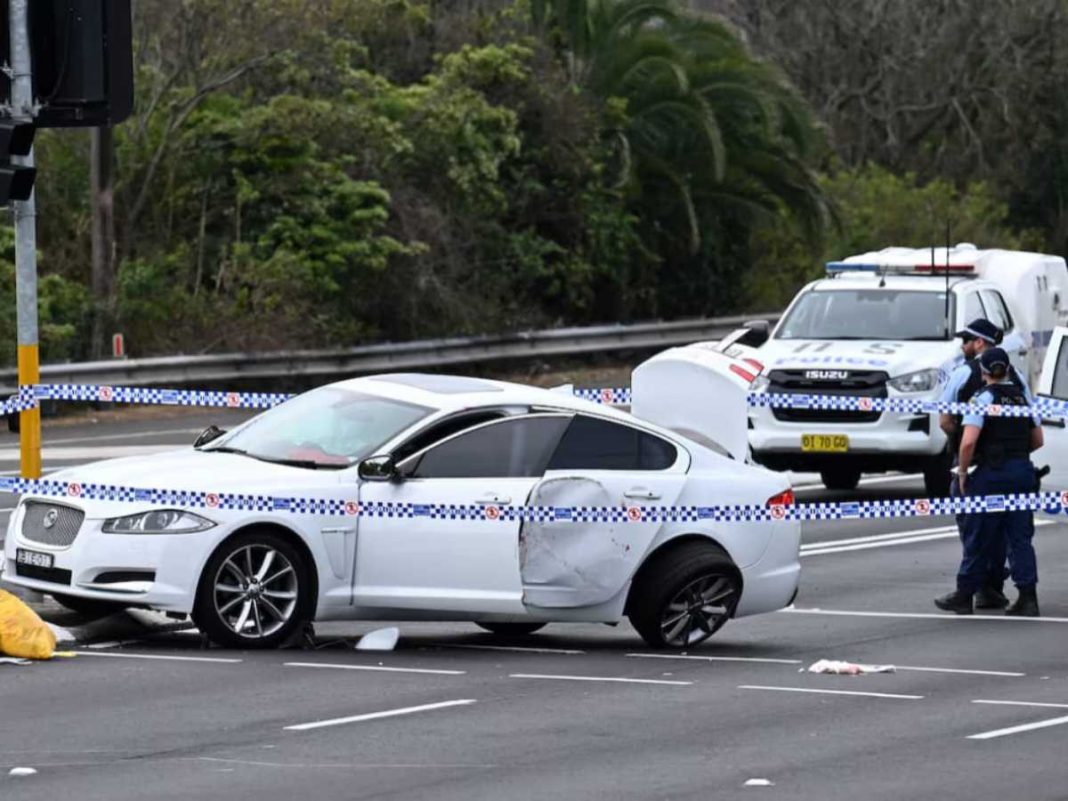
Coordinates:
(973, 308)
(1059, 389)
(594, 444)
(888, 314)
(998, 311)
(515, 448)
(444, 429)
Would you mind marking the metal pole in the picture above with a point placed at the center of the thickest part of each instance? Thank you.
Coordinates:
(25, 213)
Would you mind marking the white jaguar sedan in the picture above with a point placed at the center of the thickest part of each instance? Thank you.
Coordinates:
(335, 506)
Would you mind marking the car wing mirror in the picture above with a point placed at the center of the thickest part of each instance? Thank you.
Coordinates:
(378, 468)
(209, 434)
(758, 333)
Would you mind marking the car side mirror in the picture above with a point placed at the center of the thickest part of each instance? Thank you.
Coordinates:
(759, 332)
(378, 468)
(209, 434)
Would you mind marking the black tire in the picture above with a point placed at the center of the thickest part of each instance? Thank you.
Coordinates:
(936, 477)
(88, 607)
(262, 628)
(840, 478)
(691, 575)
(511, 629)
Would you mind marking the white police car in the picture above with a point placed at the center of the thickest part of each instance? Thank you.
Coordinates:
(881, 325)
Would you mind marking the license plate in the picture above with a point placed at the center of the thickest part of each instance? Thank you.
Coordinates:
(825, 443)
(34, 558)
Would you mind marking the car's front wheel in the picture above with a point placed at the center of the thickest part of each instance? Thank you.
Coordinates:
(684, 596)
(255, 592)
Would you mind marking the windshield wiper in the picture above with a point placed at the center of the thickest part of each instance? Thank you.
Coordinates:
(224, 449)
(306, 463)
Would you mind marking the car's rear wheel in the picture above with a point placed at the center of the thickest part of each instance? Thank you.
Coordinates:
(685, 596)
(511, 629)
(840, 479)
(88, 606)
(255, 592)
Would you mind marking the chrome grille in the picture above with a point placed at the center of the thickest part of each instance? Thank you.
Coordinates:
(862, 383)
(62, 531)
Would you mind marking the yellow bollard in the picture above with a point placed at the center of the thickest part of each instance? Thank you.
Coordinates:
(30, 419)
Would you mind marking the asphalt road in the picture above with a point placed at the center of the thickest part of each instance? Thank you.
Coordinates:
(977, 708)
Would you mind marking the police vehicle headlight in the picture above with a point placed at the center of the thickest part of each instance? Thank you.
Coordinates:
(158, 521)
(920, 381)
(760, 384)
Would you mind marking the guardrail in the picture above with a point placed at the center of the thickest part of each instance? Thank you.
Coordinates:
(386, 357)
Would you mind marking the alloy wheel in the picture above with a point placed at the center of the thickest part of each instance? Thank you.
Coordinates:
(698, 610)
(255, 591)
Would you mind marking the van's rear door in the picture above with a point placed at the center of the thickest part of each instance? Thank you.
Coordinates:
(1054, 384)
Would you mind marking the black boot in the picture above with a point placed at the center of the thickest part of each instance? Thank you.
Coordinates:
(990, 598)
(1026, 605)
(957, 602)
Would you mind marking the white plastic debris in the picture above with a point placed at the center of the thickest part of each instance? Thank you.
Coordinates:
(21, 772)
(10, 660)
(848, 668)
(759, 783)
(379, 640)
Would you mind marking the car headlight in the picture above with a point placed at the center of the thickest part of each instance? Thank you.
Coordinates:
(920, 381)
(760, 384)
(158, 521)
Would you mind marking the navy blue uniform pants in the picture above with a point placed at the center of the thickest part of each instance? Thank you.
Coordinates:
(994, 570)
(986, 537)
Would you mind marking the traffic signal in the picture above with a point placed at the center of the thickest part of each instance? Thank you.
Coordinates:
(82, 54)
(16, 181)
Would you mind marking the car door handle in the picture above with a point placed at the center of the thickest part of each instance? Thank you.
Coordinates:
(642, 493)
(1053, 422)
(500, 500)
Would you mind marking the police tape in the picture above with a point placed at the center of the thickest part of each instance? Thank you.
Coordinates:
(1043, 407)
(30, 397)
(1050, 502)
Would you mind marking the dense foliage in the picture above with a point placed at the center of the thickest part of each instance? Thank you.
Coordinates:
(314, 173)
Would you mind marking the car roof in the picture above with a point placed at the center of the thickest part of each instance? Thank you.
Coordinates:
(915, 283)
(450, 393)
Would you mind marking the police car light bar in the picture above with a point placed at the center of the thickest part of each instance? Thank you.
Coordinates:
(835, 267)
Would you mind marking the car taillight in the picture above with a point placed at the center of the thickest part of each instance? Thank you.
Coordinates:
(782, 499)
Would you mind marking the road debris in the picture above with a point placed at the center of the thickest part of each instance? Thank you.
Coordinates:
(759, 783)
(379, 640)
(847, 668)
(23, 634)
(22, 772)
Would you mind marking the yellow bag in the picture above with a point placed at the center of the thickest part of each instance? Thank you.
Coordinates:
(22, 633)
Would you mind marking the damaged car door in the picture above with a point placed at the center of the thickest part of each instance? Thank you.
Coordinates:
(426, 557)
(604, 463)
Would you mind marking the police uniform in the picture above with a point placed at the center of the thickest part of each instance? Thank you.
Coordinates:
(1003, 466)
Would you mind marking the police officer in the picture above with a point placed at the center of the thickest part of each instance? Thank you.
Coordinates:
(979, 335)
(1000, 449)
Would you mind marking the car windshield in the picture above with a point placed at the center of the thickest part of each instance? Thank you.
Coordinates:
(868, 314)
(325, 428)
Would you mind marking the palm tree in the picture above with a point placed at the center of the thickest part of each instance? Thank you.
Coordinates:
(707, 129)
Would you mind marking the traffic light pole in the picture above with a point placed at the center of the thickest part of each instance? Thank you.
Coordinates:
(25, 213)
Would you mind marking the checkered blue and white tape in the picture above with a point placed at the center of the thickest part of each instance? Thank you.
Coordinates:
(1043, 407)
(1053, 502)
(157, 396)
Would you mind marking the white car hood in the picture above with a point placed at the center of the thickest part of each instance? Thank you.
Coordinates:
(895, 358)
(189, 469)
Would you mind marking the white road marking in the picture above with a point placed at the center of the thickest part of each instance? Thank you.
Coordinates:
(1040, 724)
(162, 657)
(389, 713)
(379, 668)
(12, 454)
(866, 481)
(133, 435)
(1021, 703)
(610, 679)
(508, 648)
(920, 615)
(828, 692)
(720, 658)
(1006, 673)
(887, 540)
(347, 765)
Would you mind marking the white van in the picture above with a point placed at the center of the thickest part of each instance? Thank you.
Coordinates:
(881, 325)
